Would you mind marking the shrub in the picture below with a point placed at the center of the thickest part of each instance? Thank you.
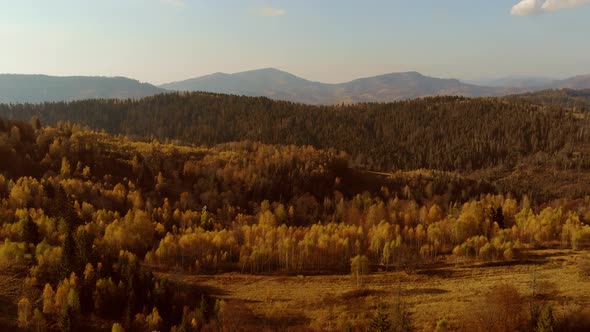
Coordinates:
(500, 310)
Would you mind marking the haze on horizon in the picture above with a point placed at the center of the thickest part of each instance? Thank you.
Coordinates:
(160, 41)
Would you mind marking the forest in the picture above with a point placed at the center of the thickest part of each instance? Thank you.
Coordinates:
(443, 133)
(487, 139)
(109, 207)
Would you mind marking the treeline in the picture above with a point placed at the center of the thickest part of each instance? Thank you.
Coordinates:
(444, 133)
(578, 100)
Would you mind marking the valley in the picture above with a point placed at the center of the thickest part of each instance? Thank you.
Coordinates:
(155, 214)
(294, 166)
(451, 292)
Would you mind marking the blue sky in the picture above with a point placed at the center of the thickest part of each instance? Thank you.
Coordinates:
(326, 40)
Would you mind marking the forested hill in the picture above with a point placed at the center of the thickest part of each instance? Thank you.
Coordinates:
(578, 100)
(41, 88)
(446, 133)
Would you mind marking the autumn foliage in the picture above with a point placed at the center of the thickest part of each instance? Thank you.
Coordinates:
(92, 216)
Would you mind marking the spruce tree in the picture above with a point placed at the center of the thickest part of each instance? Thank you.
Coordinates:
(30, 232)
(545, 322)
(380, 321)
(69, 253)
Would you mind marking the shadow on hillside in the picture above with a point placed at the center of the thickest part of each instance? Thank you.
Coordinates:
(283, 321)
(511, 263)
(460, 270)
(184, 284)
(423, 291)
(357, 293)
(438, 272)
(537, 254)
(204, 290)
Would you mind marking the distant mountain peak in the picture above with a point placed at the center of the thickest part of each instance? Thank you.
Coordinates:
(410, 73)
(217, 74)
(268, 72)
(270, 69)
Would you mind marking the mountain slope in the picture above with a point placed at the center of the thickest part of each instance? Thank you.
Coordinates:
(268, 82)
(580, 82)
(396, 86)
(445, 133)
(567, 98)
(277, 84)
(42, 88)
(520, 82)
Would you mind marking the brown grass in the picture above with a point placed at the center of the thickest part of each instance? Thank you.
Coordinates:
(329, 302)
(431, 294)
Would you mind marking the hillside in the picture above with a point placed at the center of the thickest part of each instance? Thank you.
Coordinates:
(99, 229)
(578, 99)
(269, 82)
(42, 88)
(397, 86)
(519, 82)
(281, 85)
(579, 82)
(496, 137)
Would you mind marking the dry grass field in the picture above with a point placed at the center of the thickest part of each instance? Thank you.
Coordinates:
(450, 291)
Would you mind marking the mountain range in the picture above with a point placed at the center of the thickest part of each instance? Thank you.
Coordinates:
(281, 85)
(275, 84)
(42, 88)
(536, 83)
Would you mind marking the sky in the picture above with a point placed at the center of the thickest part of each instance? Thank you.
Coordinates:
(332, 41)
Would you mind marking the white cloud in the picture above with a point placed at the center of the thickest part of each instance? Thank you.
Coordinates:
(527, 7)
(271, 12)
(175, 3)
(536, 7)
(563, 4)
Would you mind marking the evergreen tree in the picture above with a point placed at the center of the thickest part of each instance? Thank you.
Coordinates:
(380, 321)
(545, 321)
(497, 216)
(117, 328)
(69, 260)
(30, 232)
(84, 248)
(65, 319)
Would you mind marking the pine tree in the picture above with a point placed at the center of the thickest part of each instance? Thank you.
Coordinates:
(84, 248)
(117, 328)
(36, 123)
(69, 259)
(185, 323)
(380, 321)
(25, 312)
(65, 320)
(38, 323)
(545, 322)
(30, 231)
(48, 300)
(203, 306)
(154, 320)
